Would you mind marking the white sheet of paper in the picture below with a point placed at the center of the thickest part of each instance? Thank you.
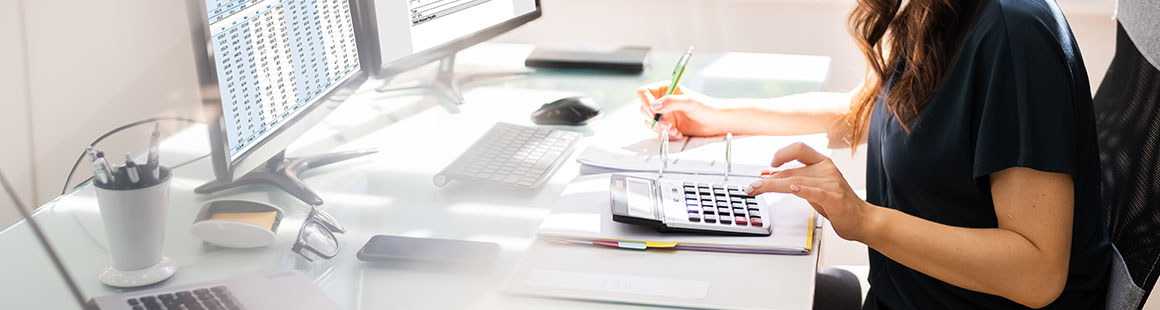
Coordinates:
(700, 155)
(625, 284)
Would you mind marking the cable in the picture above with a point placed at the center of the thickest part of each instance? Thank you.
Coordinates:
(68, 180)
(72, 285)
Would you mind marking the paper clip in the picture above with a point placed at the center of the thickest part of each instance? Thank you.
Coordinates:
(664, 153)
(728, 154)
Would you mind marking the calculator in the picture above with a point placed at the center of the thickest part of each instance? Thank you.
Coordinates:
(674, 205)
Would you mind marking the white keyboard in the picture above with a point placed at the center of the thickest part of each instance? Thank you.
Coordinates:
(512, 155)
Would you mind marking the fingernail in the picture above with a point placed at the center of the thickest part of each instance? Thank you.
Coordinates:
(795, 188)
(756, 184)
(656, 104)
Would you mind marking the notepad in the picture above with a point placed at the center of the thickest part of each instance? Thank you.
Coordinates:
(263, 219)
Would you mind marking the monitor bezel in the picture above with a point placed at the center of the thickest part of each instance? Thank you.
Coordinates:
(227, 169)
(385, 71)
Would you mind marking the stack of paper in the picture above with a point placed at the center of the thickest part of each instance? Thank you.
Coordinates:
(698, 155)
(583, 215)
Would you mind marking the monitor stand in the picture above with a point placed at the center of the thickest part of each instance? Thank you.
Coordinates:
(282, 172)
(445, 86)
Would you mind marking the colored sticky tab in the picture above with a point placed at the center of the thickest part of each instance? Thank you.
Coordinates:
(658, 244)
(633, 245)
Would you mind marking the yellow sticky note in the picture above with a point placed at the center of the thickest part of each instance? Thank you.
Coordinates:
(264, 219)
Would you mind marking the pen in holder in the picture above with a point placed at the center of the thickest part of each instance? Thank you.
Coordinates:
(133, 202)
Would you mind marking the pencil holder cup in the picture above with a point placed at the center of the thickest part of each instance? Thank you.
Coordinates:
(134, 217)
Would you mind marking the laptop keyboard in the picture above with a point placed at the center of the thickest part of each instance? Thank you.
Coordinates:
(512, 155)
(214, 298)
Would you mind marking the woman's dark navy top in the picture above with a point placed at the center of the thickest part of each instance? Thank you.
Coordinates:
(1016, 95)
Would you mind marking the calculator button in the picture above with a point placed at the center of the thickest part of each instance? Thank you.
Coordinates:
(738, 211)
(754, 211)
(738, 194)
(694, 216)
(722, 204)
(693, 208)
(718, 186)
(725, 219)
(751, 200)
(719, 191)
(691, 196)
(736, 199)
(707, 202)
(755, 220)
(709, 218)
(740, 220)
(733, 187)
(706, 197)
(708, 210)
(692, 201)
(687, 184)
(723, 210)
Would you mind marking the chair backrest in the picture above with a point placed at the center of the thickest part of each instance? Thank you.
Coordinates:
(1127, 111)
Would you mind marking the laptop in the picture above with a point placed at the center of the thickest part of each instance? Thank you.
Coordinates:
(282, 290)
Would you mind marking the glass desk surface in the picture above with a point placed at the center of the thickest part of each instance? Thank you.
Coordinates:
(390, 192)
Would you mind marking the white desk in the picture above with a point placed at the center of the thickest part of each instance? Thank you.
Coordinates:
(392, 193)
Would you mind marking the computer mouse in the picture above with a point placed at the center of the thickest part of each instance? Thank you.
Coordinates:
(572, 111)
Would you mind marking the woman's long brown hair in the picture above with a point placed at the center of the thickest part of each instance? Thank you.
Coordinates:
(923, 35)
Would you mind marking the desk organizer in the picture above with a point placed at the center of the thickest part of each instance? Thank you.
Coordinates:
(237, 223)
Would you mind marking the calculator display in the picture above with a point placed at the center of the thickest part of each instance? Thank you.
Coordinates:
(640, 202)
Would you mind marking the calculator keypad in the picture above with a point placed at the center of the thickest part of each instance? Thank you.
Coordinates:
(721, 204)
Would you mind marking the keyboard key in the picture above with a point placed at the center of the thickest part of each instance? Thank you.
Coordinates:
(755, 220)
(740, 220)
(134, 302)
(138, 307)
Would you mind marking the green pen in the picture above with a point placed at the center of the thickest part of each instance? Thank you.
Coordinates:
(677, 73)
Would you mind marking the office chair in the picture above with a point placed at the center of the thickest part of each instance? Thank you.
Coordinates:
(1127, 112)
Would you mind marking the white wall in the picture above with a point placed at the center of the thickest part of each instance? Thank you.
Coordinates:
(15, 160)
(111, 63)
(92, 66)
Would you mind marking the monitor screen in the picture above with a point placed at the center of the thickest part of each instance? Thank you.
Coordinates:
(275, 58)
(408, 27)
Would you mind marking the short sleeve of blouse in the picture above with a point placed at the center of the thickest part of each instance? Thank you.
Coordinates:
(1026, 110)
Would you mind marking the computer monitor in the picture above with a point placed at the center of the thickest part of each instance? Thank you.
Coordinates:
(401, 35)
(269, 70)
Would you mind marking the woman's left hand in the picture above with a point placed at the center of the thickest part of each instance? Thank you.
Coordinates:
(820, 183)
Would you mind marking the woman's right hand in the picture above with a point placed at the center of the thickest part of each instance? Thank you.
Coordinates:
(684, 113)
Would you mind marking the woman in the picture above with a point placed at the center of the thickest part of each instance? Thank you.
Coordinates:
(982, 185)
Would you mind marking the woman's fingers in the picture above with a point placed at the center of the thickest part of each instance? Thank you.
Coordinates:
(797, 151)
(783, 185)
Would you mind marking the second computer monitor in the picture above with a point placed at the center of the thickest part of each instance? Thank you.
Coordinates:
(409, 33)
